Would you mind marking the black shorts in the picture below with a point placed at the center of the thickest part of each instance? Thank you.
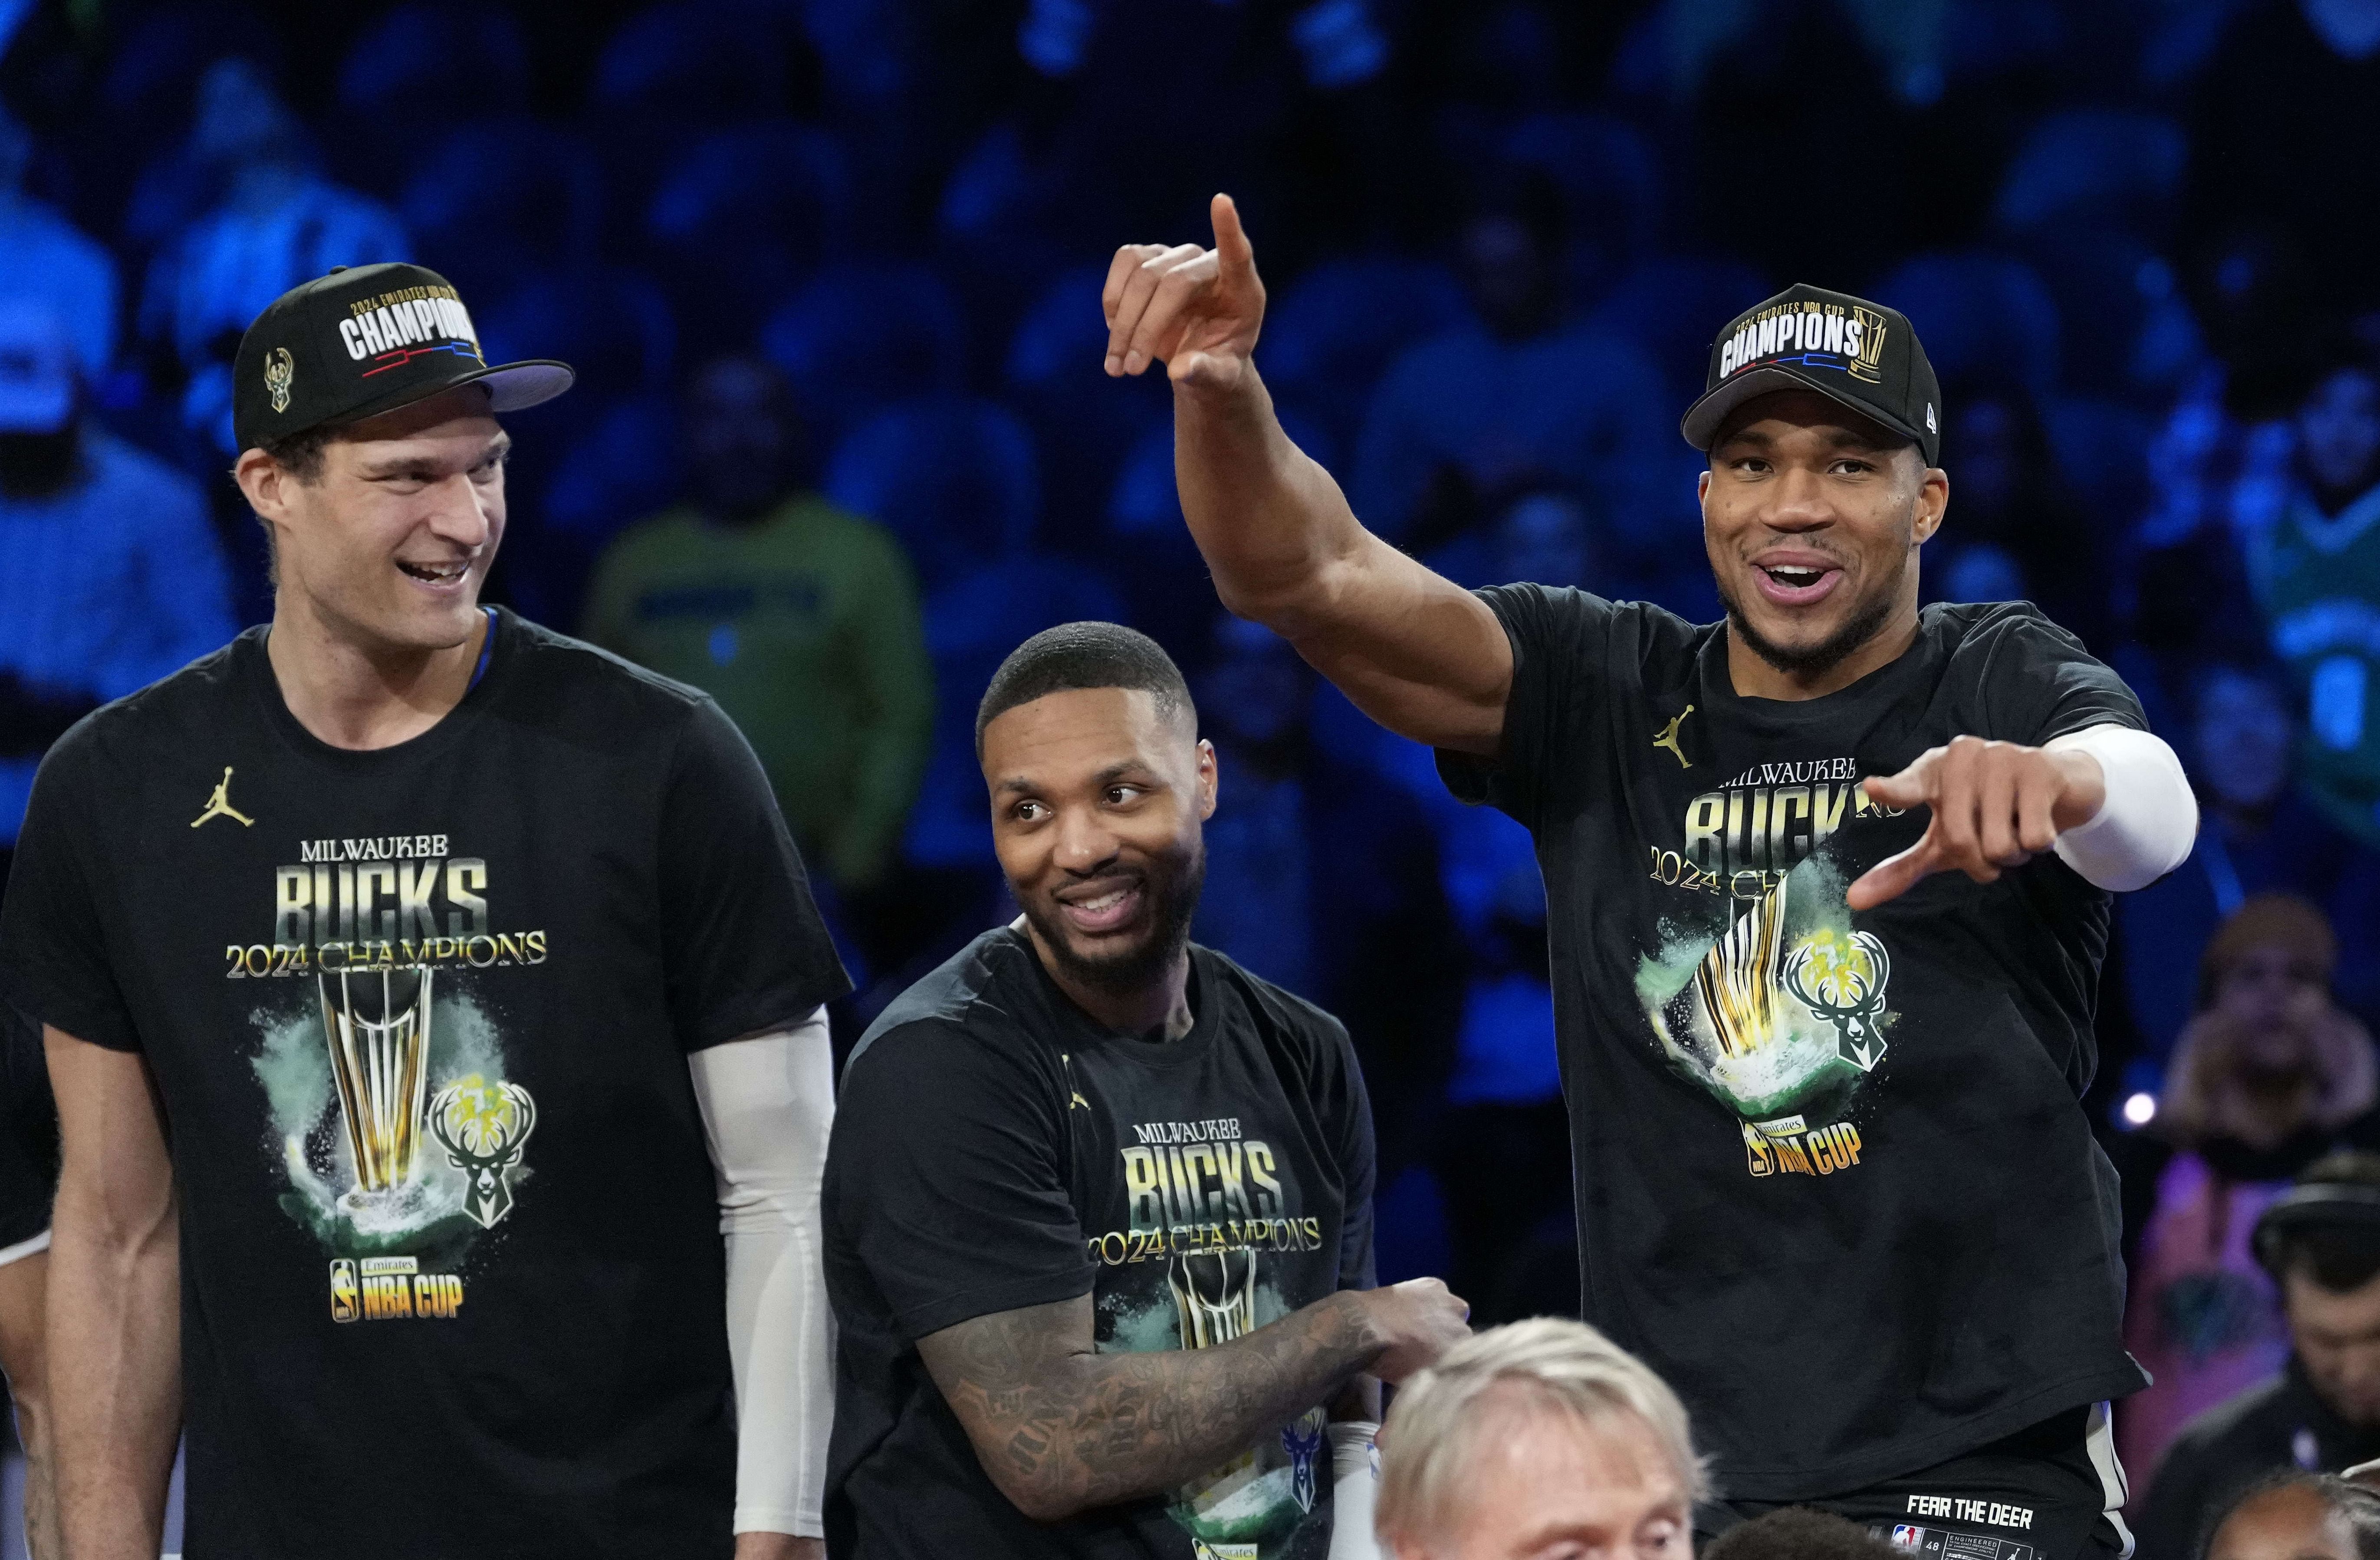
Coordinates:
(2052, 1491)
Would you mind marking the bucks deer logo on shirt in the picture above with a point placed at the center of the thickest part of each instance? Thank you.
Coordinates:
(483, 1126)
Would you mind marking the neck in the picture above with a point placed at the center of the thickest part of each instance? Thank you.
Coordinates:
(1161, 1006)
(1757, 679)
(363, 696)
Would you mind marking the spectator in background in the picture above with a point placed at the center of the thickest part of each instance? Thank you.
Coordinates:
(1514, 391)
(113, 575)
(1324, 878)
(279, 221)
(2321, 1412)
(2268, 1076)
(800, 619)
(2018, 533)
(2316, 570)
(1532, 1438)
(2256, 835)
(44, 258)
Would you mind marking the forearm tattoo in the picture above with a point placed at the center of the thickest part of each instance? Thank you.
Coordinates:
(1061, 1427)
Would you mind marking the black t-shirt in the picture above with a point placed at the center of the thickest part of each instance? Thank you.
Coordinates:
(995, 1149)
(1833, 1182)
(420, 1019)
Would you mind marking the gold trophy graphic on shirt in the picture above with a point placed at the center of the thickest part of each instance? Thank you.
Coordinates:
(1215, 1301)
(377, 1023)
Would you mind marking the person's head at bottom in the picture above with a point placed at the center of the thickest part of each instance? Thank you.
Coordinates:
(1797, 1532)
(1535, 1436)
(1101, 787)
(2300, 1517)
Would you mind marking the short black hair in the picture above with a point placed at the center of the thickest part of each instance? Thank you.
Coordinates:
(2357, 1505)
(1798, 1532)
(2340, 1257)
(1083, 654)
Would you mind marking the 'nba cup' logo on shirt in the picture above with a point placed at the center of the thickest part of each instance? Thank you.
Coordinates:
(280, 369)
(483, 1125)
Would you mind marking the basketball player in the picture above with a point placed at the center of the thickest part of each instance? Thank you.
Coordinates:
(1828, 895)
(424, 993)
(1098, 1206)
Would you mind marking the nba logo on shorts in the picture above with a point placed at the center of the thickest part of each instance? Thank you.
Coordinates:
(1906, 1537)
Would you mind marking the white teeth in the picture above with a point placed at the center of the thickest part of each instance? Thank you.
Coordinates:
(1105, 902)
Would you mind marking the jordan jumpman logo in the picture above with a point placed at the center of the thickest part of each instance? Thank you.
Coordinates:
(1668, 737)
(219, 805)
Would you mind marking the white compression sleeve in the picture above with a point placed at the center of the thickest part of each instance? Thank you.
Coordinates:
(766, 1103)
(1355, 1489)
(2146, 826)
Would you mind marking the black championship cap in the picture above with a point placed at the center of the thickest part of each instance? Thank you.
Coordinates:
(1861, 354)
(366, 340)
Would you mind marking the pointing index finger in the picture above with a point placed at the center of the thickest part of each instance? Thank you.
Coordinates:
(1232, 246)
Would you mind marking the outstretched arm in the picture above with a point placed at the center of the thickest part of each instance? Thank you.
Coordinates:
(114, 1303)
(1416, 652)
(1062, 1428)
(2112, 801)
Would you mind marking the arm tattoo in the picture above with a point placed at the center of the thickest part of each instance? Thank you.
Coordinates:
(1062, 1428)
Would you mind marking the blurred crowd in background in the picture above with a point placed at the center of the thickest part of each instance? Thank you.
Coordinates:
(830, 272)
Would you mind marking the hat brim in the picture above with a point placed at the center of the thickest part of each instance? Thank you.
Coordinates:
(1704, 419)
(510, 386)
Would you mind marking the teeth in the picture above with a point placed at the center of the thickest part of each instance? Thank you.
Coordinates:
(1105, 902)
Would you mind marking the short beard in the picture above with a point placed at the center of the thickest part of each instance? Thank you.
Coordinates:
(1136, 970)
(1813, 660)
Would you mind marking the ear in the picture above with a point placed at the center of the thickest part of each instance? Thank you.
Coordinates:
(1210, 780)
(1702, 486)
(263, 483)
(1933, 502)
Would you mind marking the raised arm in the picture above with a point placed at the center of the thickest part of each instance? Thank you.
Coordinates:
(1416, 652)
(114, 1303)
(1062, 1428)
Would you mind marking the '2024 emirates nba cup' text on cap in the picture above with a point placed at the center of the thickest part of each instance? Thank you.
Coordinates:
(365, 340)
(1858, 353)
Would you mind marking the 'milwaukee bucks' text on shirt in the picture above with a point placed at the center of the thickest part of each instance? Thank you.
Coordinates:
(1833, 1182)
(995, 1150)
(418, 1019)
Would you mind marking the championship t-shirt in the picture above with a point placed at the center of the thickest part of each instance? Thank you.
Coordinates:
(1833, 1183)
(995, 1149)
(451, 1274)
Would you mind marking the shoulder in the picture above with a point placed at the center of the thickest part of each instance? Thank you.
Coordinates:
(962, 1016)
(1559, 616)
(648, 540)
(553, 667)
(2026, 669)
(1285, 1016)
(2263, 1414)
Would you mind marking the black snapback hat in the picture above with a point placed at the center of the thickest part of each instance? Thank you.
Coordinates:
(366, 340)
(1861, 354)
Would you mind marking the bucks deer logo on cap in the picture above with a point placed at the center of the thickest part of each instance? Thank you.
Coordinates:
(279, 370)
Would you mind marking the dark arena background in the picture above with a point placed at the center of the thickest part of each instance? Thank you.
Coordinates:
(853, 249)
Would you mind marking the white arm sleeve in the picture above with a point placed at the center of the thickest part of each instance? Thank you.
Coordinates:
(766, 1103)
(1355, 1490)
(2146, 826)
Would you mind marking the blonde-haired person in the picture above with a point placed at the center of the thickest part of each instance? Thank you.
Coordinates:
(1532, 1435)
(2262, 1081)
